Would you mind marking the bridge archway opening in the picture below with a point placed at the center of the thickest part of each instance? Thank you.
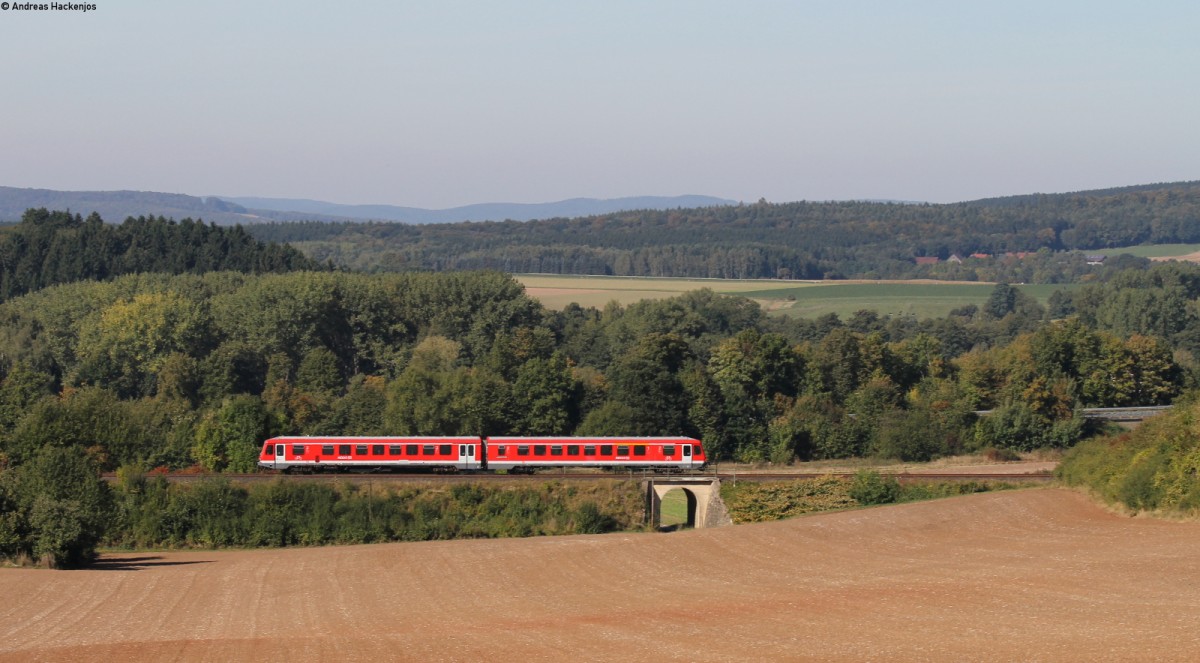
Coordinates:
(677, 510)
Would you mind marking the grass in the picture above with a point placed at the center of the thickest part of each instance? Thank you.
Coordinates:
(750, 502)
(674, 509)
(794, 298)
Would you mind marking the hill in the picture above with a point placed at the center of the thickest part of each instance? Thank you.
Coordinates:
(120, 205)
(988, 240)
(225, 210)
(1023, 575)
(574, 207)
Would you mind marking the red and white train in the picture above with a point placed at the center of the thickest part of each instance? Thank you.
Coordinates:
(513, 454)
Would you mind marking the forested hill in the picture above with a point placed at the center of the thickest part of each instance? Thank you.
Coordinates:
(47, 248)
(797, 240)
(123, 204)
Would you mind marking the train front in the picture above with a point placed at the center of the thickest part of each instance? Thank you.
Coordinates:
(267, 455)
(699, 459)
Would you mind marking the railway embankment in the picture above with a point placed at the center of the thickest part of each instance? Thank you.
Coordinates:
(216, 512)
(1154, 469)
(152, 513)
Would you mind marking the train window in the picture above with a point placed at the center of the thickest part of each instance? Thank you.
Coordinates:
(446, 450)
(500, 450)
(522, 450)
(410, 450)
(394, 450)
(639, 451)
(697, 450)
(669, 450)
(343, 449)
(297, 449)
(360, 449)
(622, 450)
(376, 449)
(556, 450)
(687, 450)
(589, 450)
(327, 450)
(428, 449)
(270, 450)
(539, 450)
(606, 450)
(573, 449)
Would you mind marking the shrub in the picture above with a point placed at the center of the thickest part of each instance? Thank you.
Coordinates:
(910, 436)
(868, 488)
(54, 508)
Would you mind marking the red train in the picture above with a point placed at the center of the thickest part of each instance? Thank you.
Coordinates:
(514, 454)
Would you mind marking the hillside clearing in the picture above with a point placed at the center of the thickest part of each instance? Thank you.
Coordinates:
(920, 298)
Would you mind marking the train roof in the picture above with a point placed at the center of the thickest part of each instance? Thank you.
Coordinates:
(377, 438)
(583, 440)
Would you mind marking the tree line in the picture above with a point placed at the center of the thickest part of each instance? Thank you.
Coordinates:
(185, 370)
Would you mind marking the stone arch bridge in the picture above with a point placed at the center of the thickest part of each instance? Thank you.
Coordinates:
(704, 505)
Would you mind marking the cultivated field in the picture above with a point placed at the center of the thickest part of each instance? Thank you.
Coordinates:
(1041, 575)
(1155, 251)
(795, 298)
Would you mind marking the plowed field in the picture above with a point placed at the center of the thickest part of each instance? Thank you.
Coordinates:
(1025, 575)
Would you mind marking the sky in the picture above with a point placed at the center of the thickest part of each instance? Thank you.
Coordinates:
(441, 104)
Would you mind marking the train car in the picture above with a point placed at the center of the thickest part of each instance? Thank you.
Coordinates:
(318, 454)
(525, 454)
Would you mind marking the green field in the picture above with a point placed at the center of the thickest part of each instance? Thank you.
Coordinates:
(674, 510)
(1154, 250)
(794, 298)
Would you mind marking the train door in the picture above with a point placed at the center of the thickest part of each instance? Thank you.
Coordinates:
(279, 454)
(687, 456)
(466, 457)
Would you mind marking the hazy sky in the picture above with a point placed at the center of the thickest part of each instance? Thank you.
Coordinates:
(440, 103)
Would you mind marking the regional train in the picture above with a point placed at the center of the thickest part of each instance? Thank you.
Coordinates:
(473, 454)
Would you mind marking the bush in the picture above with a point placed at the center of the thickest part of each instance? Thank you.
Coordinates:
(54, 509)
(1019, 428)
(752, 502)
(869, 488)
(910, 436)
(1152, 468)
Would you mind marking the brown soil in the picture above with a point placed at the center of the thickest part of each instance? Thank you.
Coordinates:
(1190, 257)
(1028, 575)
(541, 292)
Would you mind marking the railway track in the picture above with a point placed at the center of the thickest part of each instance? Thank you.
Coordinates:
(364, 477)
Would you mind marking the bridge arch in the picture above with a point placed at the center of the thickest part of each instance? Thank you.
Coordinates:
(703, 497)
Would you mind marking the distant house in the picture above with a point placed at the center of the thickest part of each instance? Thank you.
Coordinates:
(927, 260)
(1096, 259)
(954, 258)
(981, 256)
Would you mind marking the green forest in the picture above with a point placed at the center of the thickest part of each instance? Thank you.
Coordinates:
(803, 240)
(173, 367)
(47, 247)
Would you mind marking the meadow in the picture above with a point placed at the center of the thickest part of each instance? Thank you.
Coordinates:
(795, 298)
